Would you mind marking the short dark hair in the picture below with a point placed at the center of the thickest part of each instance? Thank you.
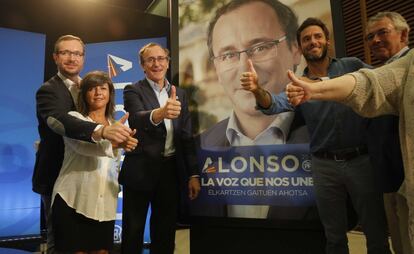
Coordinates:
(312, 22)
(287, 18)
(93, 79)
(146, 47)
(68, 37)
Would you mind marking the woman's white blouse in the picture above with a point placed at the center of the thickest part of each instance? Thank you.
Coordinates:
(88, 179)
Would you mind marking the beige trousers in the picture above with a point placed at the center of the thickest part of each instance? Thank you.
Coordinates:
(396, 210)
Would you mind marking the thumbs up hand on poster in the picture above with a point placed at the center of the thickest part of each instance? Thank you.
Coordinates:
(249, 80)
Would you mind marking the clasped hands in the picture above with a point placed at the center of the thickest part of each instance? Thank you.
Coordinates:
(120, 135)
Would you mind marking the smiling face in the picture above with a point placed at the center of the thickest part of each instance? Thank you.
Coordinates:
(97, 97)
(386, 40)
(155, 64)
(314, 44)
(245, 27)
(69, 64)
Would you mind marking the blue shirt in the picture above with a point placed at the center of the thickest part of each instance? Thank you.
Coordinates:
(331, 125)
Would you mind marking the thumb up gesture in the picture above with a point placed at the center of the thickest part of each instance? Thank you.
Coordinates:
(170, 110)
(249, 80)
(172, 107)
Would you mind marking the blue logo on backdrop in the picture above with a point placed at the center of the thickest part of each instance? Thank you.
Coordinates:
(117, 65)
(260, 175)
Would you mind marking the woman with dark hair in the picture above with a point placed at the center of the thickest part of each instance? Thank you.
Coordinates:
(85, 194)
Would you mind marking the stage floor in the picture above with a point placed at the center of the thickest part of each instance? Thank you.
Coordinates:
(356, 244)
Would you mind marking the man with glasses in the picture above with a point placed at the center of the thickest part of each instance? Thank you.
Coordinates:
(387, 38)
(149, 175)
(54, 99)
(263, 31)
(340, 162)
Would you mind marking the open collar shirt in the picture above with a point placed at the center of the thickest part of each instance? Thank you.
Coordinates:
(275, 133)
(162, 97)
(331, 125)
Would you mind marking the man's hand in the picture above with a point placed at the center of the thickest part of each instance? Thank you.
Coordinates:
(170, 110)
(249, 80)
(116, 133)
(299, 91)
(129, 144)
(193, 187)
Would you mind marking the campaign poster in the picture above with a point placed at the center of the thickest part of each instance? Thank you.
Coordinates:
(251, 165)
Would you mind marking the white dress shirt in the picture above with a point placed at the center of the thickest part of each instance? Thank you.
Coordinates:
(88, 179)
(72, 86)
(275, 133)
(162, 96)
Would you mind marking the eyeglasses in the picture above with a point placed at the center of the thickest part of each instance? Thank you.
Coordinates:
(160, 59)
(260, 52)
(381, 33)
(68, 53)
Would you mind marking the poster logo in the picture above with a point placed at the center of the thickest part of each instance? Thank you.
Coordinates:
(117, 65)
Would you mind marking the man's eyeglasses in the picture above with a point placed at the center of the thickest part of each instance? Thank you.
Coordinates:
(381, 33)
(160, 59)
(262, 51)
(68, 53)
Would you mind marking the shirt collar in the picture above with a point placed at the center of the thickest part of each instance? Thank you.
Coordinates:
(156, 87)
(68, 82)
(281, 123)
(306, 70)
(398, 55)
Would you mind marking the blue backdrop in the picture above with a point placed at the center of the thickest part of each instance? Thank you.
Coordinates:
(22, 71)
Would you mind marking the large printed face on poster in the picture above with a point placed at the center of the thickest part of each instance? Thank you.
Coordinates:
(252, 165)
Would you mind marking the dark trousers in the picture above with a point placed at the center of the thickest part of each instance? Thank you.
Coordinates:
(46, 200)
(164, 204)
(332, 181)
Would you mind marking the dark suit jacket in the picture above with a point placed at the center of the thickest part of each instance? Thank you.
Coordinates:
(141, 168)
(53, 102)
(385, 152)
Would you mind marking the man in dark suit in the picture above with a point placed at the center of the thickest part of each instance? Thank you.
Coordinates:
(387, 38)
(54, 99)
(149, 175)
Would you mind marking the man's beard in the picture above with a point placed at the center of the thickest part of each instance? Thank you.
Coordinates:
(316, 58)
